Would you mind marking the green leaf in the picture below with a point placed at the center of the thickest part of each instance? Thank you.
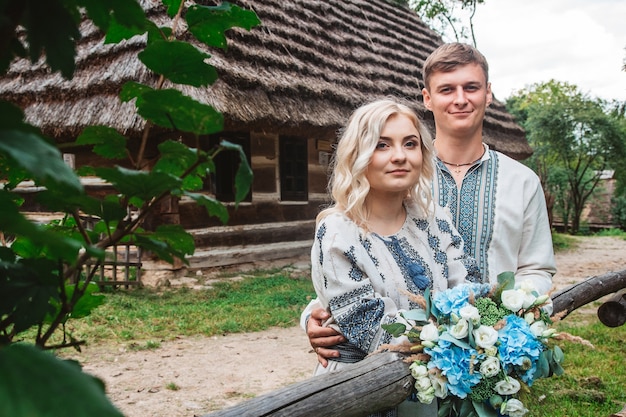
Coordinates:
(213, 207)
(28, 287)
(177, 238)
(108, 142)
(51, 28)
(89, 301)
(35, 383)
(208, 23)
(417, 315)
(125, 13)
(132, 90)
(176, 158)
(172, 6)
(543, 365)
(394, 329)
(484, 410)
(173, 110)
(243, 178)
(142, 184)
(179, 62)
(506, 281)
(460, 343)
(167, 242)
(41, 159)
(12, 221)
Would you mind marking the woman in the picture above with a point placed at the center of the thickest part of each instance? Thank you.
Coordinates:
(382, 234)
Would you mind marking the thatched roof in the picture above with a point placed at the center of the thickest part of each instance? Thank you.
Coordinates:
(302, 71)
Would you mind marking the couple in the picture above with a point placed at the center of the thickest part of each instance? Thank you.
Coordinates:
(390, 230)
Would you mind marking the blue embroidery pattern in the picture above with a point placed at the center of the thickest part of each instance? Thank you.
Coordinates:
(361, 322)
(472, 208)
(355, 272)
(417, 275)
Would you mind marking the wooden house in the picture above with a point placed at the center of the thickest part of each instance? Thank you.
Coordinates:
(284, 88)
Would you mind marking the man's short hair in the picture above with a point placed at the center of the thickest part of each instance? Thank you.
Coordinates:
(449, 56)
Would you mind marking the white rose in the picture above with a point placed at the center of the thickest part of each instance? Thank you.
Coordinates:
(491, 351)
(513, 299)
(423, 384)
(538, 327)
(470, 313)
(527, 286)
(426, 397)
(508, 386)
(490, 366)
(515, 408)
(418, 370)
(439, 383)
(429, 333)
(485, 336)
(460, 329)
(529, 317)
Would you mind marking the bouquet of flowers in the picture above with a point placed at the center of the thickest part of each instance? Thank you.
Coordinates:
(476, 347)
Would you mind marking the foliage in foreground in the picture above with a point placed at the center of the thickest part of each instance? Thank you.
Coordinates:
(46, 270)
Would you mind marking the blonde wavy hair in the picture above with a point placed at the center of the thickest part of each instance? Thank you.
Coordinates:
(348, 185)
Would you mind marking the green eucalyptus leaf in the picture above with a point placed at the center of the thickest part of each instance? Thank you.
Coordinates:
(483, 410)
(394, 329)
(36, 383)
(209, 23)
(418, 315)
(449, 338)
(109, 143)
(543, 365)
(173, 110)
(179, 62)
(213, 207)
(144, 185)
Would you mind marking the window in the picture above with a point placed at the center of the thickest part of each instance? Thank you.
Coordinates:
(293, 169)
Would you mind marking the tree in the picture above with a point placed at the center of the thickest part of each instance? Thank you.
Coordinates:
(574, 138)
(452, 19)
(46, 270)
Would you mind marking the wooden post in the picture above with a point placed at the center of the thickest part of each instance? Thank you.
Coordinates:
(613, 312)
(591, 289)
(378, 382)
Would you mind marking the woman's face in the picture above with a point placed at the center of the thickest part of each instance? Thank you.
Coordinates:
(396, 163)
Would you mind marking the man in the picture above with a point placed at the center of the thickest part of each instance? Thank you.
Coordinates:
(496, 203)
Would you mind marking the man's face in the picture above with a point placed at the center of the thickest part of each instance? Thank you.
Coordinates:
(458, 100)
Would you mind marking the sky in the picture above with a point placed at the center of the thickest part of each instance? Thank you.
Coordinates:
(582, 42)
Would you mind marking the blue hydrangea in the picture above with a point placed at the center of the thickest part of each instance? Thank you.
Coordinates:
(453, 299)
(519, 348)
(456, 364)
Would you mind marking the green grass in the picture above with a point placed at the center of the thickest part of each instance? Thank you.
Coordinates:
(612, 232)
(594, 379)
(140, 316)
(562, 242)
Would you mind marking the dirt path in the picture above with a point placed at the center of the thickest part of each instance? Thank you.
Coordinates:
(194, 376)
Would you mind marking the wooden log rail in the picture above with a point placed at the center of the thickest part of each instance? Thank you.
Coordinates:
(383, 381)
